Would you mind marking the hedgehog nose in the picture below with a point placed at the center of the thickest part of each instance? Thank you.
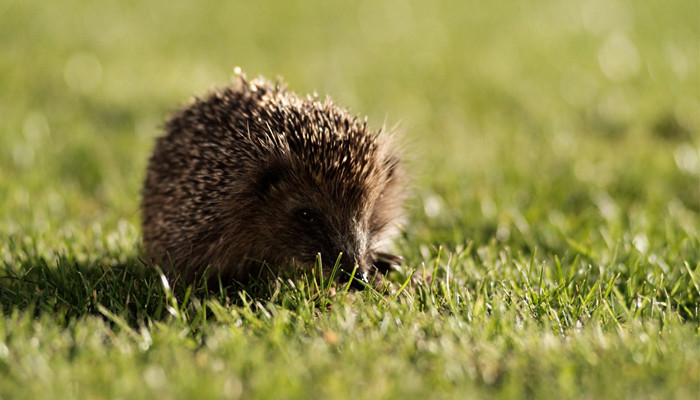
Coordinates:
(359, 280)
(348, 264)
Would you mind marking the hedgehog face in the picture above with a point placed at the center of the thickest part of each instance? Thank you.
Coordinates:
(335, 214)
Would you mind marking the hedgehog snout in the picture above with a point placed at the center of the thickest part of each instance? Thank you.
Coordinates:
(350, 263)
(354, 256)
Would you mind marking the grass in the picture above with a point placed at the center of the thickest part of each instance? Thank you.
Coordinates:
(552, 245)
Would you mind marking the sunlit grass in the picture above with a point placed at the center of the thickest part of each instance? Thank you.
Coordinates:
(552, 244)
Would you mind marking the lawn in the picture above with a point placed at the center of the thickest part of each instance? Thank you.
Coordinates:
(552, 236)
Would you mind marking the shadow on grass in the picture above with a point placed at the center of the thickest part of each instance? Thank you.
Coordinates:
(131, 290)
(136, 293)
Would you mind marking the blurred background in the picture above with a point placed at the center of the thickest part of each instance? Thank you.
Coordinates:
(525, 122)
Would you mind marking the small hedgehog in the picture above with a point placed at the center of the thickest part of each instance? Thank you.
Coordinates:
(255, 176)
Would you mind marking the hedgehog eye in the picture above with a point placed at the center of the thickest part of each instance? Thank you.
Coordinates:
(306, 216)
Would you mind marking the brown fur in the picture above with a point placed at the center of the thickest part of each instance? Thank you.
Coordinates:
(254, 173)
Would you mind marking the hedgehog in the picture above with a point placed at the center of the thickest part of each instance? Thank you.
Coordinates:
(253, 178)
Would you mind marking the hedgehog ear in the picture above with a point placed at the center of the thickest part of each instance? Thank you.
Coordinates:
(269, 178)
